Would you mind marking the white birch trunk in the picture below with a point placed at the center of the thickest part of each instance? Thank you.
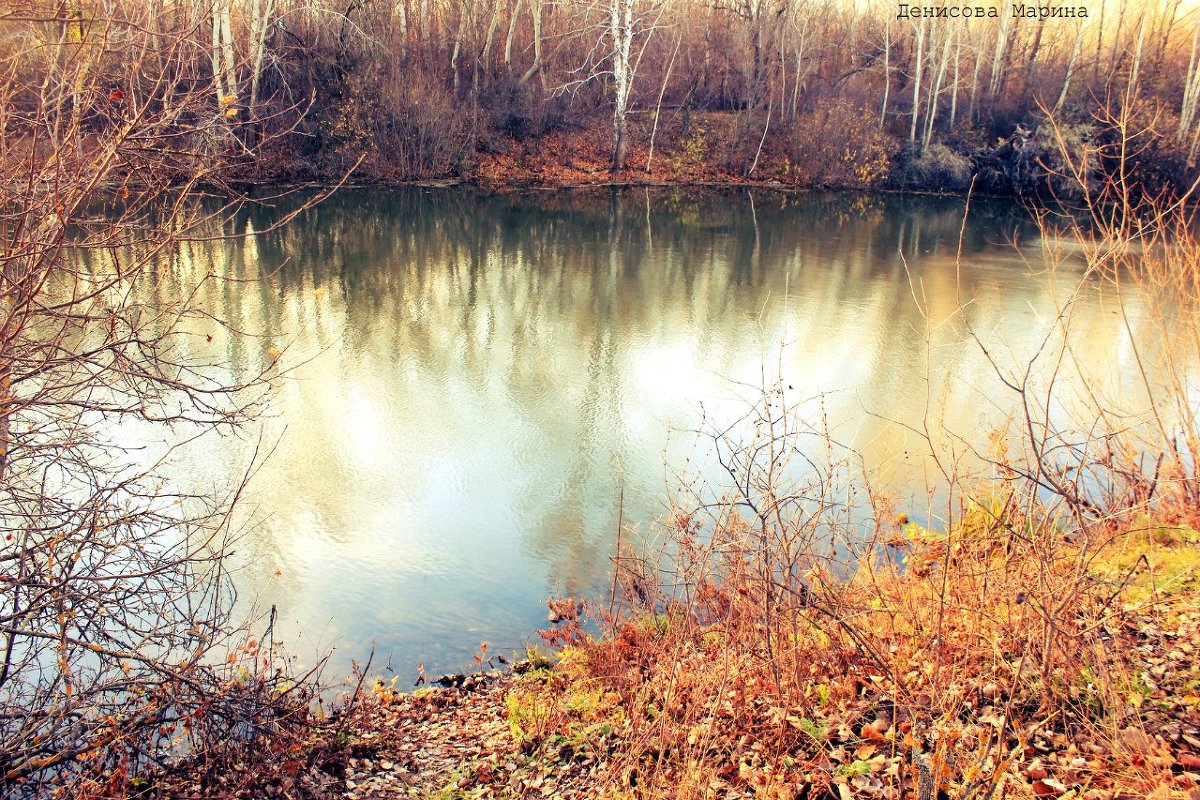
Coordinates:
(917, 69)
(264, 11)
(1136, 69)
(1191, 93)
(512, 33)
(957, 67)
(536, 67)
(935, 91)
(1075, 51)
(621, 34)
(998, 65)
(887, 68)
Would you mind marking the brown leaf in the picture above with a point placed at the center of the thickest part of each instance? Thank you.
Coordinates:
(1137, 741)
(871, 733)
(1048, 788)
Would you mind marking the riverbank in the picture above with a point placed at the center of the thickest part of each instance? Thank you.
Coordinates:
(798, 635)
(677, 704)
(829, 150)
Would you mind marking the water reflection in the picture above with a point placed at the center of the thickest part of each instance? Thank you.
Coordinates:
(472, 377)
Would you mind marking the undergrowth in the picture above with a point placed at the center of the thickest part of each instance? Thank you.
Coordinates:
(793, 636)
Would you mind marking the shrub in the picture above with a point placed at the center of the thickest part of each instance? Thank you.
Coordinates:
(120, 648)
(426, 131)
(1053, 160)
(522, 110)
(830, 146)
(940, 169)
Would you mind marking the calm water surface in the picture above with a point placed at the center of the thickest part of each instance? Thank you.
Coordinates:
(473, 376)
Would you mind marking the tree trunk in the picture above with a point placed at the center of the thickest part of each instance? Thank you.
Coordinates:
(935, 91)
(917, 69)
(662, 91)
(1135, 70)
(1000, 56)
(975, 83)
(536, 67)
(1033, 53)
(887, 68)
(957, 67)
(264, 9)
(1191, 94)
(458, 42)
(224, 74)
(261, 22)
(1062, 95)
(621, 33)
(512, 32)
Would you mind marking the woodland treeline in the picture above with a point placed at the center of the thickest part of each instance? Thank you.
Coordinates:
(809, 92)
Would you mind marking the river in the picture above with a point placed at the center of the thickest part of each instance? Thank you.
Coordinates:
(473, 381)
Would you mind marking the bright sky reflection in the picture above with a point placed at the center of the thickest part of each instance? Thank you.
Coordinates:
(472, 375)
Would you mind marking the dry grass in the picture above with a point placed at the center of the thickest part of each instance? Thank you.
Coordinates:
(794, 638)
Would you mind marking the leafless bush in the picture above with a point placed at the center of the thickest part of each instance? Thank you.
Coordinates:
(793, 607)
(427, 128)
(116, 645)
(830, 146)
(940, 168)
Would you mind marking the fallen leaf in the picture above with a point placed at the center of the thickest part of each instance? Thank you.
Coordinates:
(1048, 787)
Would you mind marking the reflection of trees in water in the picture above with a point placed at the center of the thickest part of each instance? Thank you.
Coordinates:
(546, 292)
(577, 319)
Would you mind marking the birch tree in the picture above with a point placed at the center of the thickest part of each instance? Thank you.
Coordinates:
(624, 26)
(262, 15)
(937, 68)
(887, 70)
(917, 69)
(1189, 122)
(620, 32)
(537, 67)
(1000, 53)
(1072, 63)
(224, 64)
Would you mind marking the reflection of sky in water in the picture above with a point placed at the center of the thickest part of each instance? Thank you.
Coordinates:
(472, 376)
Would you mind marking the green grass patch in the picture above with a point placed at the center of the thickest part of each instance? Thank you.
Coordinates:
(1156, 560)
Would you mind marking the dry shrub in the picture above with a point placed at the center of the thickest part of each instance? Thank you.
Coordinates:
(939, 169)
(523, 111)
(120, 653)
(794, 637)
(427, 129)
(920, 663)
(404, 124)
(834, 144)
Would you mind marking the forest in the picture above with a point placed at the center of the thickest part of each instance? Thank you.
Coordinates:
(804, 93)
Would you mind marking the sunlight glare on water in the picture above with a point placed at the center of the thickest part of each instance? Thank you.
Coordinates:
(470, 378)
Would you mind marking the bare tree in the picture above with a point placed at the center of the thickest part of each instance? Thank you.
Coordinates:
(620, 32)
(617, 26)
(115, 615)
(1071, 65)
